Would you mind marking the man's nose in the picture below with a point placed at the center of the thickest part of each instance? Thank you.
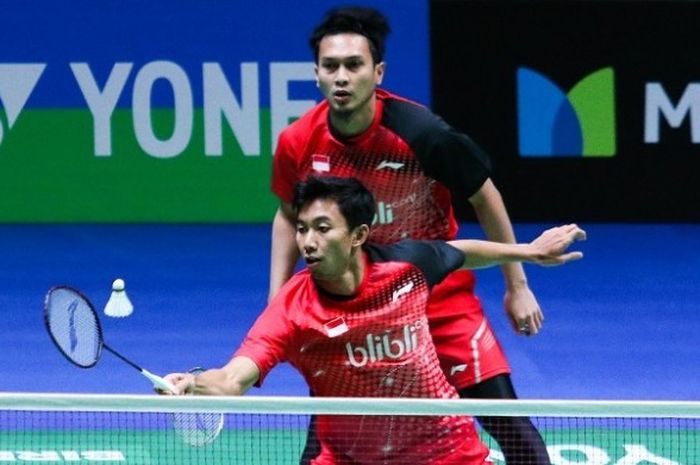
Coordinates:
(341, 77)
(309, 243)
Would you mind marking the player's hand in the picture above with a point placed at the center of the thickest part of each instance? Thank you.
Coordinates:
(523, 311)
(182, 382)
(550, 248)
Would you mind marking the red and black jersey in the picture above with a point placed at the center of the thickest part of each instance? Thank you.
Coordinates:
(375, 343)
(413, 163)
(409, 158)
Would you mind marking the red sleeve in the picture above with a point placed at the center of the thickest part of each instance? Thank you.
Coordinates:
(285, 170)
(268, 341)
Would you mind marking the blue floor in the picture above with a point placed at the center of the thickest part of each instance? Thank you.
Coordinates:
(621, 324)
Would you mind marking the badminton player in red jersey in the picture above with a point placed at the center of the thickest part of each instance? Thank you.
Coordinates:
(415, 165)
(354, 324)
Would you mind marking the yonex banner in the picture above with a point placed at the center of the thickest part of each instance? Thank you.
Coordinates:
(590, 110)
(158, 111)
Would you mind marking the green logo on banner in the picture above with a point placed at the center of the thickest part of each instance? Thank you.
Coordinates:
(578, 123)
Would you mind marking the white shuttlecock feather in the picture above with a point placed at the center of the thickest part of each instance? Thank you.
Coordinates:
(118, 304)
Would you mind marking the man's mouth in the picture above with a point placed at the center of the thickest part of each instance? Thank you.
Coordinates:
(341, 95)
(310, 261)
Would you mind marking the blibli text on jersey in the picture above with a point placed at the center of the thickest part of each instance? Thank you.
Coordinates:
(385, 210)
(391, 345)
(384, 215)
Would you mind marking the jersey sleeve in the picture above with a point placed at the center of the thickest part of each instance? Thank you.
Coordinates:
(455, 160)
(285, 170)
(446, 155)
(269, 339)
(435, 259)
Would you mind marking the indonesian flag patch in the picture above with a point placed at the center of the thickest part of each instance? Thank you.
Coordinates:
(320, 163)
(336, 327)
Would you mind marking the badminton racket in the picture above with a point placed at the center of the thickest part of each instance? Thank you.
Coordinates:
(200, 428)
(75, 329)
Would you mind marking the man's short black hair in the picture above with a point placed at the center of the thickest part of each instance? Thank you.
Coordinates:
(365, 21)
(354, 201)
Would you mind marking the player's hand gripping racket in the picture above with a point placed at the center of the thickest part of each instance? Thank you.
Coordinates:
(200, 428)
(74, 327)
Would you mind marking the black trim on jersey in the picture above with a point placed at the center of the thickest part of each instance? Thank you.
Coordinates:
(436, 259)
(445, 154)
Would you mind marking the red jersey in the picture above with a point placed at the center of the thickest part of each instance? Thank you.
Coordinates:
(412, 162)
(409, 159)
(373, 344)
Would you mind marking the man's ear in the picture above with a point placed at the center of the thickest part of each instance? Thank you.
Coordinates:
(379, 73)
(360, 235)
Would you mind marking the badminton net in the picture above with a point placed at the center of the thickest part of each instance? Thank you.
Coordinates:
(138, 430)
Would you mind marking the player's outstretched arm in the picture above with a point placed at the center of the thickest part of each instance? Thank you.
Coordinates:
(233, 379)
(549, 249)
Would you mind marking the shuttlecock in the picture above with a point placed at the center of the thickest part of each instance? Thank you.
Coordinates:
(118, 304)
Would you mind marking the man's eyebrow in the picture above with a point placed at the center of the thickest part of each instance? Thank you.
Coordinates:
(343, 58)
(315, 219)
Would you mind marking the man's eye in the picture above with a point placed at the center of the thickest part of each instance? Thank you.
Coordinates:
(301, 229)
(324, 229)
(330, 66)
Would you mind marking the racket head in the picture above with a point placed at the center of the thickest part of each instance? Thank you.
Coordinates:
(198, 429)
(73, 325)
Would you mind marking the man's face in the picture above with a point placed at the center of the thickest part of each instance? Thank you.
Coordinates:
(346, 73)
(324, 240)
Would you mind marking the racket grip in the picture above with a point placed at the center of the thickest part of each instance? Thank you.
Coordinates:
(157, 381)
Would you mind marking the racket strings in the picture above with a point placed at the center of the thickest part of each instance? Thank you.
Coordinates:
(200, 428)
(74, 327)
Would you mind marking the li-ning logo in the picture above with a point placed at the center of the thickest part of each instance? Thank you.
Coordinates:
(405, 289)
(579, 123)
(71, 325)
(17, 81)
(394, 165)
(378, 348)
(458, 368)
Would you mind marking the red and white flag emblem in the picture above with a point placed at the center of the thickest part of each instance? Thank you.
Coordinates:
(320, 163)
(336, 327)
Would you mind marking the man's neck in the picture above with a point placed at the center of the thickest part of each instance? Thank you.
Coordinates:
(349, 124)
(349, 282)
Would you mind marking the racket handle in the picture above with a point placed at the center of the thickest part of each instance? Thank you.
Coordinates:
(157, 381)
